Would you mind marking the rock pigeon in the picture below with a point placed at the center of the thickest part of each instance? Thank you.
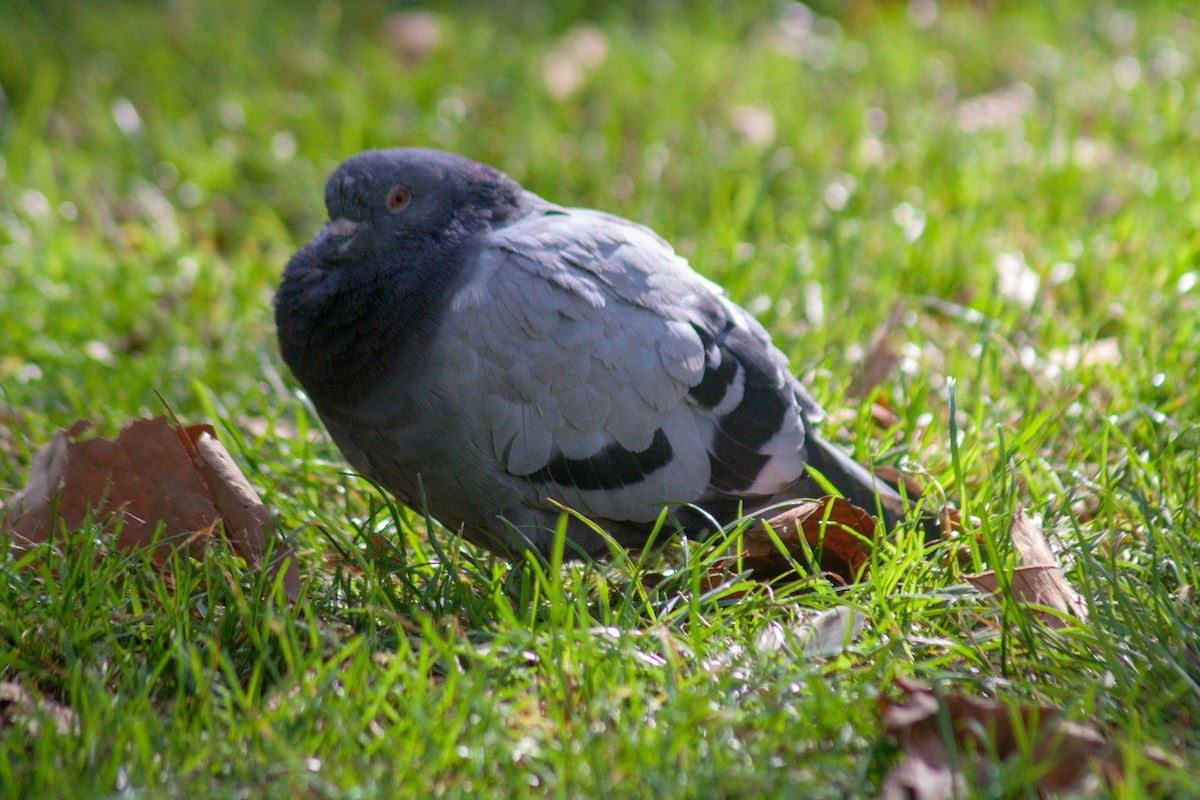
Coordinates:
(494, 358)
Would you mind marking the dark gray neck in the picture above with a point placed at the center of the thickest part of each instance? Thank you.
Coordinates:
(354, 326)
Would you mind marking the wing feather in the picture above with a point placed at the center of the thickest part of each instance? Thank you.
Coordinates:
(609, 376)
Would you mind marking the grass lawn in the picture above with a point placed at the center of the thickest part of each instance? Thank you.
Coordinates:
(1023, 179)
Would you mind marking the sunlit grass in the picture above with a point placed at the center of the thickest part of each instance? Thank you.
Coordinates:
(1020, 179)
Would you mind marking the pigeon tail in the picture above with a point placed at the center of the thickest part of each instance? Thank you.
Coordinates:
(856, 483)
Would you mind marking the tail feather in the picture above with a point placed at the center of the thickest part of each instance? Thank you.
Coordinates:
(854, 481)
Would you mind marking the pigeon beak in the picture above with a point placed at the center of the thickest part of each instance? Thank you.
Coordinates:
(340, 227)
(339, 235)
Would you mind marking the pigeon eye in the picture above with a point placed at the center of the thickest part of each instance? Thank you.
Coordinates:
(397, 199)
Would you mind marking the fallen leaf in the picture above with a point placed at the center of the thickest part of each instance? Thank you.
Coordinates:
(248, 524)
(836, 531)
(1038, 579)
(941, 734)
(151, 474)
(895, 478)
(143, 473)
(883, 417)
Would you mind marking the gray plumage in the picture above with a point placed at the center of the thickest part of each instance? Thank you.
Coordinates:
(472, 345)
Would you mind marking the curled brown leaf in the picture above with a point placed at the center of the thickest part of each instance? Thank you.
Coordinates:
(943, 736)
(835, 531)
(169, 487)
(1038, 579)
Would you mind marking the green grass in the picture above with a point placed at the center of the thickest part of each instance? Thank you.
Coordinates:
(158, 164)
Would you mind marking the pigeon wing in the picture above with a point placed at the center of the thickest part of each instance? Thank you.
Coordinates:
(609, 376)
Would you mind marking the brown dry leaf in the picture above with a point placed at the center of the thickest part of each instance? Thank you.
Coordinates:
(19, 706)
(248, 524)
(951, 519)
(985, 732)
(836, 531)
(144, 473)
(882, 416)
(894, 478)
(151, 473)
(1038, 579)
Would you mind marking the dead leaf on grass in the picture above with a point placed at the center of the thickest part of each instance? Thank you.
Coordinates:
(895, 478)
(942, 734)
(1038, 579)
(836, 531)
(882, 416)
(152, 473)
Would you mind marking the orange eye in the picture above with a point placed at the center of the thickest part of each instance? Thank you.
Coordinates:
(397, 199)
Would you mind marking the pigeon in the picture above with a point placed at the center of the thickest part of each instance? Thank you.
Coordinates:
(495, 360)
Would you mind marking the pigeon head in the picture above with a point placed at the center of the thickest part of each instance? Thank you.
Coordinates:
(402, 226)
(403, 196)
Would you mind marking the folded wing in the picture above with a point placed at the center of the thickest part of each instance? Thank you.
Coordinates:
(605, 374)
